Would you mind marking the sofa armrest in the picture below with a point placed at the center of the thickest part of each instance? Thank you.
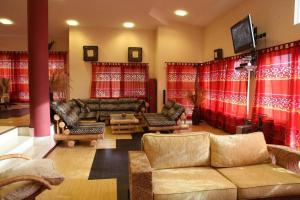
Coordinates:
(35, 179)
(9, 156)
(140, 176)
(285, 157)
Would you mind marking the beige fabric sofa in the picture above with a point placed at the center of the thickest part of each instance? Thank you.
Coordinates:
(205, 166)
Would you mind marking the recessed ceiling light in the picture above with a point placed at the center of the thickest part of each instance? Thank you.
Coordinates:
(6, 21)
(128, 24)
(181, 12)
(72, 22)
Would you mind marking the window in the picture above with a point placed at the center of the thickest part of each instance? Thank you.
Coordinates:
(115, 80)
(297, 12)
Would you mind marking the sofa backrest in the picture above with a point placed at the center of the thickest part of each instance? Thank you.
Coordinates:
(121, 104)
(177, 150)
(68, 111)
(167, 106)
(93, 104)
(175, 111)
(238, 150)
(172, 110)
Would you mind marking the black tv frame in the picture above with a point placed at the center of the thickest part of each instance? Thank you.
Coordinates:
(249, 46)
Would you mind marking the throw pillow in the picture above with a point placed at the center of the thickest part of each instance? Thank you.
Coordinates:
(175, 150)
(238, 150)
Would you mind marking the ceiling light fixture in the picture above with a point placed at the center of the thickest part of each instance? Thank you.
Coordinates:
(72, 22)
(128, 24)
(181, 12)
(6, 21)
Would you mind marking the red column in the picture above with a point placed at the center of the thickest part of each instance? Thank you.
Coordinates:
(37, 13)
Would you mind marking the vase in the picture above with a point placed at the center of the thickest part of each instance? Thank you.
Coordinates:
(196, 116)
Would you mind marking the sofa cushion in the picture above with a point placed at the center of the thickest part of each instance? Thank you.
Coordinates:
(68, 111)
(88, 128)
(128, 107)
(80, 103)
(109, 106)
(72, 118)
(202, 183)
(128, 100)
(164, 111)
(169, 104)
(263, 181)
(91, 101)
(157, 119)
(238, 150)
(109, 101)
(93, 106)
(89, 115)
(175, 111)
(173, 150)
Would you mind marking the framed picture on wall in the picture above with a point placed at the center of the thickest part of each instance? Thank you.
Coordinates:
(90, 53)
(135, 54)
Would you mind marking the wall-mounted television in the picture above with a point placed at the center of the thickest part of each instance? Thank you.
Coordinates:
(242, 35)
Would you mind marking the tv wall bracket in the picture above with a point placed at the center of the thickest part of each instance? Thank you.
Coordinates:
(259, 36)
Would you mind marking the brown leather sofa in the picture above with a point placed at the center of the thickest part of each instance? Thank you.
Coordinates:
(206, 166)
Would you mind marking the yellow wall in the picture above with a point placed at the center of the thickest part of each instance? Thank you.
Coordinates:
(19, 43)
(275, 17)
(176, 42)
(113, 47)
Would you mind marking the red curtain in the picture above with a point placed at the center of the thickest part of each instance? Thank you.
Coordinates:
(278, 93)
(14, 65)
(114, 80)
(181, 84)
(224, 105)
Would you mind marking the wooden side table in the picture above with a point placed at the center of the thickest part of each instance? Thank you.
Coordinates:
(123, 124)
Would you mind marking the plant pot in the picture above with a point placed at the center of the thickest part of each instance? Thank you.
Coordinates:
(196, 118)
(51, 95)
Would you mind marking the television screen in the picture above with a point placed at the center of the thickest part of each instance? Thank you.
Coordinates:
(242, 35)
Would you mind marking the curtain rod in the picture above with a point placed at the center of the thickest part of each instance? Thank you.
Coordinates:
(281, 46)
(184, 63)
(120, 63)
(27, 52)
(275, 47)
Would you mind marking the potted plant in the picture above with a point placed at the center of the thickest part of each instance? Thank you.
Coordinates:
(59, 84)
(196, 97)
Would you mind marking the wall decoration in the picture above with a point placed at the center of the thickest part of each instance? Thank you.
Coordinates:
(90, 53)
(218, 54)
(135, 54)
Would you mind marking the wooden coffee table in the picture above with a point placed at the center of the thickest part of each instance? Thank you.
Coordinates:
(120, 124)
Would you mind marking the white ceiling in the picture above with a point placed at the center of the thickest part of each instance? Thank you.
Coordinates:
(147, 14)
